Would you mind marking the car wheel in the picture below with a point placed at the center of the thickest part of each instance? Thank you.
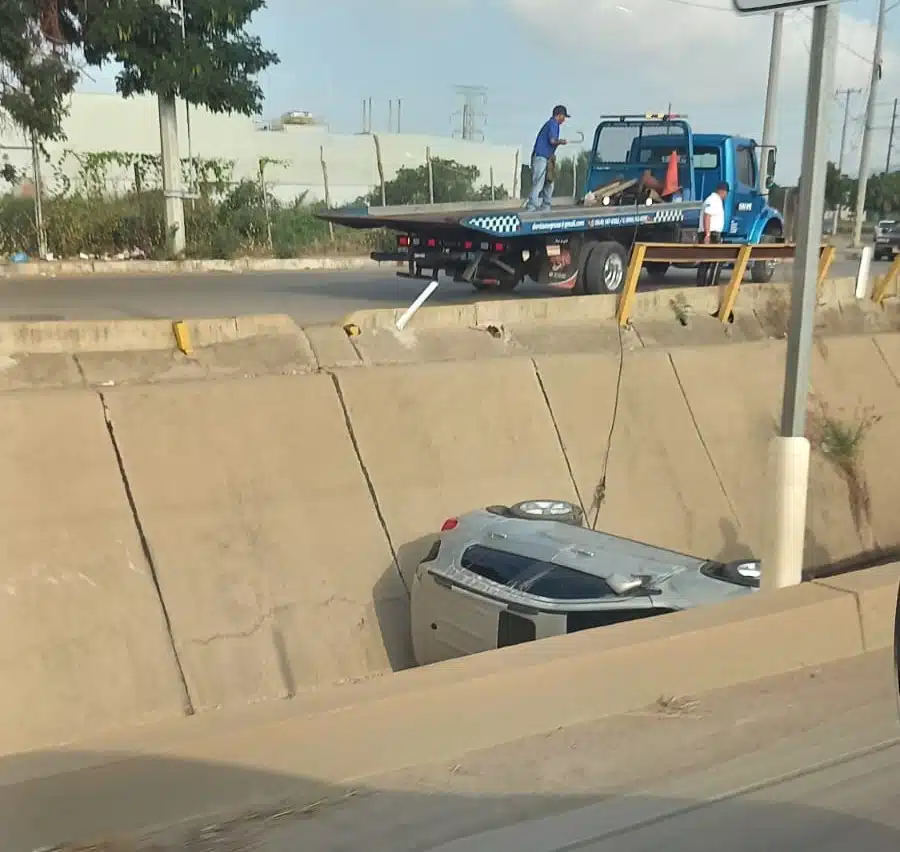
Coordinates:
(548, 510)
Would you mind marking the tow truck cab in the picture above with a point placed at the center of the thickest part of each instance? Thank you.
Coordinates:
(627, 146)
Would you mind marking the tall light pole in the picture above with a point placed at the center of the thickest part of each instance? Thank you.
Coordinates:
(783, 556)
(170, 157)
(768, 134)
(866, 151)
(847, 93)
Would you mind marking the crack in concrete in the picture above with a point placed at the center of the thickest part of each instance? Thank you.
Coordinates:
(857, 601)
(188, 704)
(703, 443)
(368, 479)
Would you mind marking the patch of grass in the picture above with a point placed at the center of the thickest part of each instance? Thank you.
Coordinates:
(234, 225)
(681, 308)
(775, 315)
(840, 441)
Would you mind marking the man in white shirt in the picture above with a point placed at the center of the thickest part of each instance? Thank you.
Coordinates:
(712, 224)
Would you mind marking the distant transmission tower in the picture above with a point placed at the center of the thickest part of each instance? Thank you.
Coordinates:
(473, 113)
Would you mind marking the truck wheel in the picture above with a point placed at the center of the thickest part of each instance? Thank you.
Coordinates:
(603, 270)
(657, 271)
(763, 271)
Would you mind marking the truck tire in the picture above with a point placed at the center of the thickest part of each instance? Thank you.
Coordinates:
(657, 271)
(604, 267)
(763, 271)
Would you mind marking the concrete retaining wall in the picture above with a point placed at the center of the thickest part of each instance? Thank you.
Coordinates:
(273, 508)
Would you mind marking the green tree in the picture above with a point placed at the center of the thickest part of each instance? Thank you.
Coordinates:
(208, 59)
(883, 194)
(570, 175)
(838, 187)
(452, 182)
(35, 72)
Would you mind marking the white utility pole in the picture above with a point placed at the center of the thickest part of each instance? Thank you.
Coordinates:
(783, 552)
(866, 152)
(170, 156)
(768, 134)
(847, 93)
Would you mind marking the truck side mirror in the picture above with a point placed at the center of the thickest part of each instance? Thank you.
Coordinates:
(770, 167)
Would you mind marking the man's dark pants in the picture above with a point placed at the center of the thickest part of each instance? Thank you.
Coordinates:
(708, 273)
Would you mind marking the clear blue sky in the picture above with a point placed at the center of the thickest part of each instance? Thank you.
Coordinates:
(593, 55)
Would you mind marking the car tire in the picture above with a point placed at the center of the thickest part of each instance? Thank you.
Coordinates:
(561, 511)
(604, 268)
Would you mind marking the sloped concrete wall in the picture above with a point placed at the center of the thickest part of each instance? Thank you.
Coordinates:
(83, 643)
(273, 509)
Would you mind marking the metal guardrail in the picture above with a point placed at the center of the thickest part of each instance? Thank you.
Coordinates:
(739, 254)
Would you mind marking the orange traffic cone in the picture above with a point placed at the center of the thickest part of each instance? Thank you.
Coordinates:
(671, 185)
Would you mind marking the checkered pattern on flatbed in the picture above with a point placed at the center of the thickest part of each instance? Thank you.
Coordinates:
(507, 223)
(667, 215)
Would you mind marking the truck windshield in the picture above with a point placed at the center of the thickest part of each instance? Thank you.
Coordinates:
(632, 143)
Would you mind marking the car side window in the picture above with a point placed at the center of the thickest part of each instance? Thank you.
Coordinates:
(533, 576)
(744, 166)
(578, 621)
(566, 584)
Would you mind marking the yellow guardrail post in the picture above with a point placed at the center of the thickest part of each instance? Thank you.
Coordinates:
(734, 284)
(826, 258)
(182, 337)
(626, 300)
(880, 290)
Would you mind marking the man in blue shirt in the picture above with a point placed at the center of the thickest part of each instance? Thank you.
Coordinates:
(543, 157)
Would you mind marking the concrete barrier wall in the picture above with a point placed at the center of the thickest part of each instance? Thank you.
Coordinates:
(83, 643)
(273, 509)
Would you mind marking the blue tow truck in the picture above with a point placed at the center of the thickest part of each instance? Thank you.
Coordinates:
(583, 244)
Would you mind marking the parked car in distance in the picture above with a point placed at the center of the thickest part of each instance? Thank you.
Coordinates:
(506, 575)
(886, 239)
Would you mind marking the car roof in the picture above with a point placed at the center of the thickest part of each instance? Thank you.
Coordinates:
(593, 552)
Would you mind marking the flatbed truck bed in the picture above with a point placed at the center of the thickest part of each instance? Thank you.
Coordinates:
(495, 245)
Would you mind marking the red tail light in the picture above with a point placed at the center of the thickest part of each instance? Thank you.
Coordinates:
(467, 245)
(499, 246)
(432, 243)
(449, 524)
(403, 242)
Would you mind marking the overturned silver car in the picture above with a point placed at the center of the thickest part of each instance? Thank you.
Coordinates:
(506, 575)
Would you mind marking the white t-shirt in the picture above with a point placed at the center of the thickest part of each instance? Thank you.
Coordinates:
(713, 207)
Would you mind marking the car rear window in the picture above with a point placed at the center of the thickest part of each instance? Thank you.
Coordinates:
(534, 576)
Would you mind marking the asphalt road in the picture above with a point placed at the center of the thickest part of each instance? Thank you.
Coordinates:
(805, 761)
(308, 297)
(849, 802)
